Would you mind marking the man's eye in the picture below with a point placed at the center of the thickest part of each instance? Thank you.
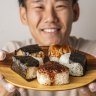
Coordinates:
(61, 6)
(39, 7)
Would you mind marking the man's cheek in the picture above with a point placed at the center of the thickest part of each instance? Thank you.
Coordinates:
(36, 17)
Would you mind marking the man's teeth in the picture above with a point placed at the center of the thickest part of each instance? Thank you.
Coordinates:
(50, 30)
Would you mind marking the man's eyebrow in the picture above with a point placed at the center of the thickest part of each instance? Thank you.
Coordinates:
(65, 1)
(36, 0)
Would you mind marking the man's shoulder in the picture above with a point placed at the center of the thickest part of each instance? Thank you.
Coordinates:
(85, 45)
(13, 45)
(81, 41)
(75, 39)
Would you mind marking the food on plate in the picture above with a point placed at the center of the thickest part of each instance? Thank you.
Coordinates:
(26, 66)
(76, 62)
(55, 52)
(52, 73)
(51, 65)
(31, 50)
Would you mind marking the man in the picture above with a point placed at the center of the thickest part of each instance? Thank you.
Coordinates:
(50, 22)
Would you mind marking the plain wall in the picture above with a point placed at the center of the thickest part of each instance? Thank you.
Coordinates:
(12, 29)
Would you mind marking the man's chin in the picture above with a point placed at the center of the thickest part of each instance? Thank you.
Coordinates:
(48, 43)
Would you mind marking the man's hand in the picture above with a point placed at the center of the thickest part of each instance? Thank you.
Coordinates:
(11, 90)
(89, 90)
(2, 55)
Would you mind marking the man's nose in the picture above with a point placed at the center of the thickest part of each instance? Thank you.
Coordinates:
(51, 16)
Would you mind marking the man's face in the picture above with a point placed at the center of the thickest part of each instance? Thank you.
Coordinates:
(49, 21)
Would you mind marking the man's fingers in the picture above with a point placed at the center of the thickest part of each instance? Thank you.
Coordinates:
(2, 55)
(9, 87)
(92, 87)
(84, 91)
(19, 92)
(23, 92)
(15, 93)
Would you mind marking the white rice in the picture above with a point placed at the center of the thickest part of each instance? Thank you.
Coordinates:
(62, 78)
(64, 58)
(75, 69)
(54, 58)
(59, 78)
(43, 79)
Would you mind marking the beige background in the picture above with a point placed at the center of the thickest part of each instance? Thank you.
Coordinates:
(12, 29)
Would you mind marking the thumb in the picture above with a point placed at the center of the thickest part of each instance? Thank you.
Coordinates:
(92, 86)
(19, 92)
(9, 87)
(84, 91)
(2, 55)
(15, 93)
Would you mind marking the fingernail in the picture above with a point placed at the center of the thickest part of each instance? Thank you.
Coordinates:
(2, 55)
(92, 87)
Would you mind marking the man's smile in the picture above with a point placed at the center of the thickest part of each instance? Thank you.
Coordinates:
(50, 30)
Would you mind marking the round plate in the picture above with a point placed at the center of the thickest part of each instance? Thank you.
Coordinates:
(75, 82)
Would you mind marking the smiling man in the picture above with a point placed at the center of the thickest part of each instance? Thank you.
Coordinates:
(50, 22)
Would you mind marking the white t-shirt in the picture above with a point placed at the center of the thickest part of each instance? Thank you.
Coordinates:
(79, 44)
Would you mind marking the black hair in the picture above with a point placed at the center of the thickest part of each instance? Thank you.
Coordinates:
(74, 1)
(22, 2)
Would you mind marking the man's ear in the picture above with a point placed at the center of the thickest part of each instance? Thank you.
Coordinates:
(23, 15)
(76, 12)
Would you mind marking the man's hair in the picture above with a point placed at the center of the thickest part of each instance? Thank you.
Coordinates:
(74, 1)
(22, 2)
